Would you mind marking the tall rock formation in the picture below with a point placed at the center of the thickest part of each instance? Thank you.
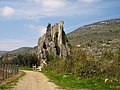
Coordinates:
(55, 41)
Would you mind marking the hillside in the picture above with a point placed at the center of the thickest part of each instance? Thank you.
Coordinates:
(21, 50)
(2, 52)
(101, 33)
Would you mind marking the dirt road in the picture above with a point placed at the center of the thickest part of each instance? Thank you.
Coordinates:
(35, 81)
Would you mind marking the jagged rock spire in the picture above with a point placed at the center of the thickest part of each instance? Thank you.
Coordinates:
(49, 27)
(55, 40)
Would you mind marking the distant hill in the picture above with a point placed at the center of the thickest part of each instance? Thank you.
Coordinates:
(2, 52)
(21, 50)
(103, 32)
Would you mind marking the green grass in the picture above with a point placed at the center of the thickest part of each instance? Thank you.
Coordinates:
(70, 82)
(11, 82)
(26, 68)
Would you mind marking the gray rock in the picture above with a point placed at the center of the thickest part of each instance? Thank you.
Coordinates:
(55, 41)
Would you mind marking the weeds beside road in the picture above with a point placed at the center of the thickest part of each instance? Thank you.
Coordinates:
(94, 83)
(11, 82)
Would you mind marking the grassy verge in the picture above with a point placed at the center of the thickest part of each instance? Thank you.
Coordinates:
(95, 83)
(26, 68)
(11, 82)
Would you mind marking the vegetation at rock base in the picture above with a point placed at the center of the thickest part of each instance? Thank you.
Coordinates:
(86, 66)
(85, 71)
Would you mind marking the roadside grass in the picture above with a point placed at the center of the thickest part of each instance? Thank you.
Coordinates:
(94, 83)
(26, 68)
(11, 82)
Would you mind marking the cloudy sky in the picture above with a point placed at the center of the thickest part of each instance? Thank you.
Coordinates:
(22, 22)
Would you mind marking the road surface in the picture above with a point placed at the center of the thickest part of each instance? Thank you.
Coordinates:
(35, 81)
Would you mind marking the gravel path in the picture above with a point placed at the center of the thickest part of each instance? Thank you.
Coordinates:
(35, 81)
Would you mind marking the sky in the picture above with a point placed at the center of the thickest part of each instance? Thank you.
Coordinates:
(22, 22)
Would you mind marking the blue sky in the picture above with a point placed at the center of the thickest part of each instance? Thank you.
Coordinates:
(22, 22)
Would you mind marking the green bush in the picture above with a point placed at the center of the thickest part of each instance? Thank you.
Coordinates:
(24, 60)
(81, 65)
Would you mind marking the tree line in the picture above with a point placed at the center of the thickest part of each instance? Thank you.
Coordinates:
(24, 60)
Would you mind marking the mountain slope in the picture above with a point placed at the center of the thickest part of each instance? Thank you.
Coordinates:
(2, 52)
(21, 50)
(103, 32)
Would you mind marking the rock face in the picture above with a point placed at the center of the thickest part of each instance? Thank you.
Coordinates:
(54, 41)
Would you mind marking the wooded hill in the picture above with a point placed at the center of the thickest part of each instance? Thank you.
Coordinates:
(101, 33)
(21, 50)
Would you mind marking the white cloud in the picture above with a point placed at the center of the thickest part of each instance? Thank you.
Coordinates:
(36, 9)
(7, 11)
(51, 5)
(88, 1)
(40, 29)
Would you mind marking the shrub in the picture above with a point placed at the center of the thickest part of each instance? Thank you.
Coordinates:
(81, 65)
